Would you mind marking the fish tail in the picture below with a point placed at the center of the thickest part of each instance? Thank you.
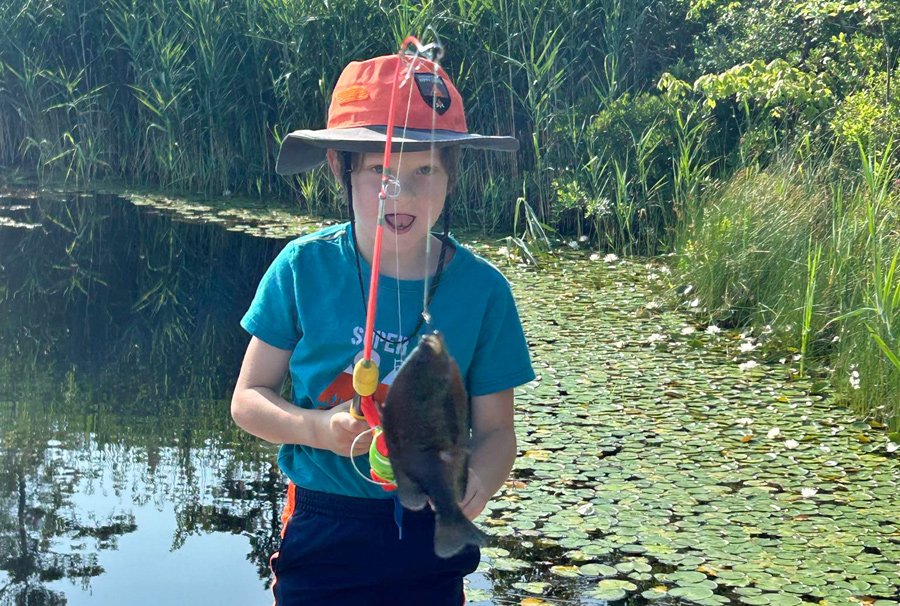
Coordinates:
(453, 534)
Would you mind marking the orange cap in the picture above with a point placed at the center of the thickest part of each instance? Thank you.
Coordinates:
(428, 112)
(425, 98)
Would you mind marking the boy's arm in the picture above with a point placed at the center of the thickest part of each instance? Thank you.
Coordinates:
(258, 408)
(493, 449)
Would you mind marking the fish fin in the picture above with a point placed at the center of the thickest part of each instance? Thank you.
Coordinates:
(409, 493)
(453, 534)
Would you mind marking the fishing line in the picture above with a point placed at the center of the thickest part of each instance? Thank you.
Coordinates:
(392, 188)
(400, 185)
(426, 314)
(409, 97)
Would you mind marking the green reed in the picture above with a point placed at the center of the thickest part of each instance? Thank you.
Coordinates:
(813, 259)
(689, 166)
(808, 256)
(874, 350)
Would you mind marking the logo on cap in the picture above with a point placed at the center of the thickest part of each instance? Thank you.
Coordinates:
(433, 91)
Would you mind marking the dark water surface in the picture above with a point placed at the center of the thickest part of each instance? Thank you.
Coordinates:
(121, 474)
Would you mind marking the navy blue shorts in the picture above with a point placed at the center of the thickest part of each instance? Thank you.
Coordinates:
(344, 551)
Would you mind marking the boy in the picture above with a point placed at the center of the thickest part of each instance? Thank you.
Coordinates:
(341, 544)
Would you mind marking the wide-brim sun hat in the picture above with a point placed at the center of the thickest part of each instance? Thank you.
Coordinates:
(428, 111)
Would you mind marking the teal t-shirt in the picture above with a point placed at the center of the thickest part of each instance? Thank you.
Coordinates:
(309, 302)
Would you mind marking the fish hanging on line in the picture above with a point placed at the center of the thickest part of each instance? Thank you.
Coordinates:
(425, 418)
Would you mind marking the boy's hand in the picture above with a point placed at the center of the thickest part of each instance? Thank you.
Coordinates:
(476, 496)
(338, 429)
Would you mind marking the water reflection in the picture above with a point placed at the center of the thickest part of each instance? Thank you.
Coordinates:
(120, 293)
(119, 465)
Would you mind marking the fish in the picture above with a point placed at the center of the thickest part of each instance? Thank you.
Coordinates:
(425, 420)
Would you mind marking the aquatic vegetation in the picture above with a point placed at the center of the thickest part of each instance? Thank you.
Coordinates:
(652, 467)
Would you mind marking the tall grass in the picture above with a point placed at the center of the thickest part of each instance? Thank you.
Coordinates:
(813, 258)
(871, 347)
(812, 255)
(196, 95)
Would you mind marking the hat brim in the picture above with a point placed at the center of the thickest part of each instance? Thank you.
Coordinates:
(303, 150)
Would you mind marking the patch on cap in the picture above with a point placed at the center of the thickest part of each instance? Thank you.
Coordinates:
(351, 94)
(433, 91)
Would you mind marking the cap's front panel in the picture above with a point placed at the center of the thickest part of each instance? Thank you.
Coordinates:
(427, 100)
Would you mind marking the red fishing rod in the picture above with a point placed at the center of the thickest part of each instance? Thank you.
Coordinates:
(365, 372)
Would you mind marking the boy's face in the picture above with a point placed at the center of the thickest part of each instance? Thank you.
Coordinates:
(408, 217)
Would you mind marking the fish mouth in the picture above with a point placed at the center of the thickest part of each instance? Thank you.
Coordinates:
(399, 222)
(433, 343)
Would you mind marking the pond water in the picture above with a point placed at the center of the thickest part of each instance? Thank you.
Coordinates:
(659, 462)
(120, 472)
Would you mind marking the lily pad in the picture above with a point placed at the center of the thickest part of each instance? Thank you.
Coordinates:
(597, 570)
(691, 593)
(565, 571)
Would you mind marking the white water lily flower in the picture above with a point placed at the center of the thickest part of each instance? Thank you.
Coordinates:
(656, 337)
(503, 251)
(582, 238)
(824, 448)
(688, 290)
(694, 303)
(854, 379)
(573, 245)
(744, 421)
(791, 444)
(712, 329)
(773, 433)
(748, 346)
(687, 330)
(653, 305)
(610, 258)
(808, 492)
(892, 447)
(594, 256)
(748, 365)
